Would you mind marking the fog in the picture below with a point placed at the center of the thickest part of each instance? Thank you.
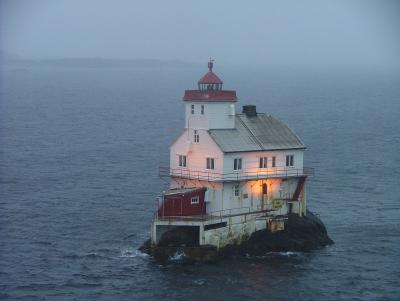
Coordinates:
(299, 33)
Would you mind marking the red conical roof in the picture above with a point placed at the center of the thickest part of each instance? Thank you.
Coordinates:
(210, 89)
(210, 78)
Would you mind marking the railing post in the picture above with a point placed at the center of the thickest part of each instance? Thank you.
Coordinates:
(163, 204)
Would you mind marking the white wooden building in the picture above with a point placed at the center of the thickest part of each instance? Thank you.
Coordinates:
(230, 173)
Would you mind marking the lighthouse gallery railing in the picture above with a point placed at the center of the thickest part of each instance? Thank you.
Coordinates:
(210, 175)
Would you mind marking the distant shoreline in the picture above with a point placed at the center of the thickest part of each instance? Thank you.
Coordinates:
(98, 62)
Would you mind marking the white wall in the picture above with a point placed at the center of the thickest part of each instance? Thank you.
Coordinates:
(251, 195)
(196, 153)
(250, 160)
(217, 115)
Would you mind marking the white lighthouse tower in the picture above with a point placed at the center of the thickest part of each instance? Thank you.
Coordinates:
(230, 174)
(209, 107)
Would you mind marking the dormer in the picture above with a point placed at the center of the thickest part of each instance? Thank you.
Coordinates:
(210, 107)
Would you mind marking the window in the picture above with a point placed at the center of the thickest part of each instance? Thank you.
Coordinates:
(202, 109)
(237, 164)
(236, 190)
(289, 160)
(194, 200)
(273, 161)
(196, 136)
(210, 163)
(263, 162)
(182, 161)
(192, 109)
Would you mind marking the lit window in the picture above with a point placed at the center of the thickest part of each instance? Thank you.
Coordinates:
(289, 160)
(182, 161)
(210, 163)
(263, 162)
(192, 109)
(273, 161)
(196, 136)
(194, 200)
(202, 109)
(237, 164)
(236, 190)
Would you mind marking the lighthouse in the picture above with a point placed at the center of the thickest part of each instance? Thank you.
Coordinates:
(230, 174)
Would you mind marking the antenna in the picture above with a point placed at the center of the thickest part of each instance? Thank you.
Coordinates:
(210, 64)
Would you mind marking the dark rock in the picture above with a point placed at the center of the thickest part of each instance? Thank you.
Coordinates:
(146, 247)
(301, 234)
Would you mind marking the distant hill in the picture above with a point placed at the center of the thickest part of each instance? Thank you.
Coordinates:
(94, 62)
(5, 55)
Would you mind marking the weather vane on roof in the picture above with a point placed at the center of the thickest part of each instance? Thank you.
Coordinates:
(210, 64)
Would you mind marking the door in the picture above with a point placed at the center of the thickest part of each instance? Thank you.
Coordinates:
(264, 196)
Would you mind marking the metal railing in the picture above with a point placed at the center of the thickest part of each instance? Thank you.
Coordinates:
(216, 215)
(212, 176)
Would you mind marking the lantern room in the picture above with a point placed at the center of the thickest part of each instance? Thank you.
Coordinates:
(210, 81)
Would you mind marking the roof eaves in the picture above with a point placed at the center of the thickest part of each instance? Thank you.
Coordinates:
(265, 150)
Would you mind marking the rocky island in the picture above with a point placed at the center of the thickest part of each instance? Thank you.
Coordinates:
(301, 234)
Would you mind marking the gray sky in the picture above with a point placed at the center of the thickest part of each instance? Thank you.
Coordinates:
(320, 33)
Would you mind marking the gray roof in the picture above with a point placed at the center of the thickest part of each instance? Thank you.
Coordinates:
(260, 133)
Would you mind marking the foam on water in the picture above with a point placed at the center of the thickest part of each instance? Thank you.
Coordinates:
(133, 253)
(178, 256)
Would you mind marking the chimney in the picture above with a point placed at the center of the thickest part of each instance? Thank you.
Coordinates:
(250, 110)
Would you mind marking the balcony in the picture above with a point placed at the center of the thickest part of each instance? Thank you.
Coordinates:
(216, 215)
(243, 175)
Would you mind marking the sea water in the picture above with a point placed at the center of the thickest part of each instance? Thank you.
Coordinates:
(80, 151)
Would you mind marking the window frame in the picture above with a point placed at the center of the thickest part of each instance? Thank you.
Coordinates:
(202, 109)
(210, 163)
(237, 164)
(263, 162)
(273, 163)
(194, 200)
(182, 161)
(196, 136)
(236, 190)
(289, 160)
(192, 109)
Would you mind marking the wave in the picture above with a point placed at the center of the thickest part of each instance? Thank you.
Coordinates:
(132, 253)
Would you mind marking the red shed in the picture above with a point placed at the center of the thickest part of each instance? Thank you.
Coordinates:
(183, 202)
